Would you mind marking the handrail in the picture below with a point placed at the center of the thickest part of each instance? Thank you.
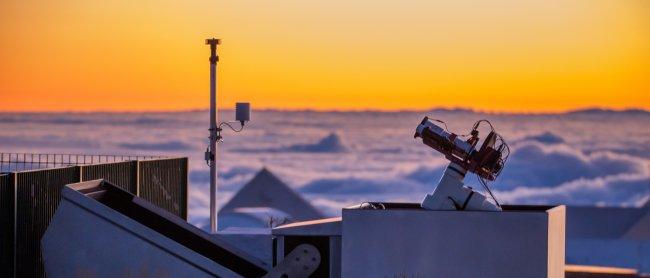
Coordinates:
(12, 162)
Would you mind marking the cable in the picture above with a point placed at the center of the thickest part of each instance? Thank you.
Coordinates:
(476, 125)
(217, 134)
(505, 151)
(233, 129)
(487, 188)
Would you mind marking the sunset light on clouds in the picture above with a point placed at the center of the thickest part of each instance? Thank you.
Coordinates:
(512, 56)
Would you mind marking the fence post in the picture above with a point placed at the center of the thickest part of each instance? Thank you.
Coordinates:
(81, 174)
(187, 189)
(14, 178)
(137, 178)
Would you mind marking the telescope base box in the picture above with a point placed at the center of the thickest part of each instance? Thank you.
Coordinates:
(404, 240)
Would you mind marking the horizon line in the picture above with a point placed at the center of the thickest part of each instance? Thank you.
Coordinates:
(363, 110)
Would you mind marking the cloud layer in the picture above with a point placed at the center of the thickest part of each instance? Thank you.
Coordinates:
(338, 159)
(546, 138)
(331, 143)
(536, 165)
(157, 146)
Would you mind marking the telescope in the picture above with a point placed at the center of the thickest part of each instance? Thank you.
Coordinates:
(486, 162)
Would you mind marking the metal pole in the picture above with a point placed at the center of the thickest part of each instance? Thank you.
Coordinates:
(214, 132)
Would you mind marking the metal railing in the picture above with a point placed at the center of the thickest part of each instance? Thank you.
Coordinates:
(12, 162)
(29, 199)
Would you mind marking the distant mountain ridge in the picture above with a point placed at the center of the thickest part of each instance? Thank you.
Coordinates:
(585, 111)
(631, 111)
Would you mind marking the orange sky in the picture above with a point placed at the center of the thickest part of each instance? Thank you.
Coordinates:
(504, 55)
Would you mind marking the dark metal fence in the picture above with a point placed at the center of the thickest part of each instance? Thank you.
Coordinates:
(13, 162)
(164, 182)
(38, 194)
(7, 209)
(122, 174)
(28, 200)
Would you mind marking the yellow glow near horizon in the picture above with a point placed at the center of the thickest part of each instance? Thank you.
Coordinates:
(507, 55)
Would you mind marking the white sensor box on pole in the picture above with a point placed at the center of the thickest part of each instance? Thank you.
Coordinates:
(242, 112)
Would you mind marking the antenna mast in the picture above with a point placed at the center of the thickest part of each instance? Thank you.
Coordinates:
(242, 116)
(211, 153)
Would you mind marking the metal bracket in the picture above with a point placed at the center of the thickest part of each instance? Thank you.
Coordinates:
(208, 155)
(301, 262)
(215, 133)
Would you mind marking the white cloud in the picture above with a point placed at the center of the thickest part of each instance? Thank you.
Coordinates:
(614, 190)
(537, 165)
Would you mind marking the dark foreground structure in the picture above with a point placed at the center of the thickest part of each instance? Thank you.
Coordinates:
(29, 198)
(128, 218)
(100, 230)
(97, 223)
(137, 239)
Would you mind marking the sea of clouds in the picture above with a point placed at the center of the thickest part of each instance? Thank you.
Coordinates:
(336, 159)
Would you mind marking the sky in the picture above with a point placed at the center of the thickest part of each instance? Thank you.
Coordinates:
(503, 56)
